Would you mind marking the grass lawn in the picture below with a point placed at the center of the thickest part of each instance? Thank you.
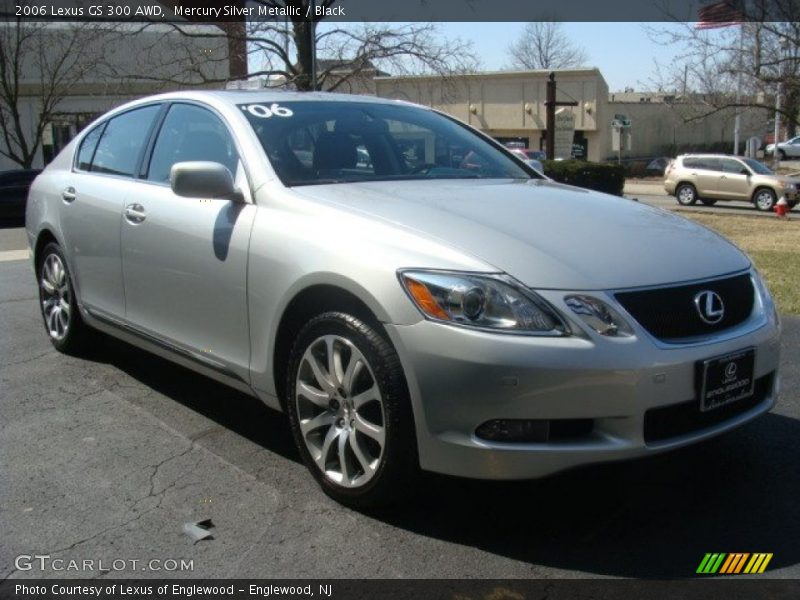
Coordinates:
(774, 246)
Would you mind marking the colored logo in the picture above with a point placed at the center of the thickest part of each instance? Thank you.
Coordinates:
(734, 563)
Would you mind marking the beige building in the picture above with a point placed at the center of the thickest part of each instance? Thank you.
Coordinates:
(510, 106)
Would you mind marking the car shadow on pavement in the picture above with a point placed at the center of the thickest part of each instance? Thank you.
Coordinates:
(647, 518)
(233, 410)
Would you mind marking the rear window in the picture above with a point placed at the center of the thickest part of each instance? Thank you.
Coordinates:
(311, 142)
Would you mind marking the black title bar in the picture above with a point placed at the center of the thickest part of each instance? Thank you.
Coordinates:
(394, 10)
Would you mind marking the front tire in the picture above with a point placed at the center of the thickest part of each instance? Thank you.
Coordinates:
(764, 199)
(781, 155)
(350, 412)
(686, 194)
(57, 301)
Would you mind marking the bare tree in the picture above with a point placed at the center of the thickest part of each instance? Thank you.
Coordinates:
(346, 52)
(739, 66)
(40, 64)
(544, 45)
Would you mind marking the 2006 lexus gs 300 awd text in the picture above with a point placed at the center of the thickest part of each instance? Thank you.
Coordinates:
(408, 292)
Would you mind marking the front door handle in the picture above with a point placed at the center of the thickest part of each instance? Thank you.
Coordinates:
(68, 194)
(135, 213)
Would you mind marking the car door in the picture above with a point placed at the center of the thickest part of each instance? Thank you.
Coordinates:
(93, 196)
(734, 181)
(793, 147)
(705, 173)
(185, 259)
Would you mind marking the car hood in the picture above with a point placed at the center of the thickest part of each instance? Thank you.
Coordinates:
(783, 179)
(545, 234)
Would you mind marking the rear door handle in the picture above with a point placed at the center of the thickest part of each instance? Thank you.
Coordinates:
(135, 213)
(68, 194)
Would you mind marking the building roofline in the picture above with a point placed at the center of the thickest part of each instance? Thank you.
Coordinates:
(481, 74)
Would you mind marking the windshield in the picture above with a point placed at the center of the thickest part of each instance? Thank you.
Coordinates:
(757, 166)
(312, 142)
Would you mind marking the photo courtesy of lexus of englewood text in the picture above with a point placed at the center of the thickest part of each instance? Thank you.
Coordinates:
(358, 299)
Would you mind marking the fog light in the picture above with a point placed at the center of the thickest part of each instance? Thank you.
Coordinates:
(515, 430)
(535, 431)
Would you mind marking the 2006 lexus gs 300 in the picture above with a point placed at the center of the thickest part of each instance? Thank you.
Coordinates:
(408, 292)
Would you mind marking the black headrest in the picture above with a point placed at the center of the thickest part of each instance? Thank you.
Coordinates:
(335, 150)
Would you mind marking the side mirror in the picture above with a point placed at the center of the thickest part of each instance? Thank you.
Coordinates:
(202, 179)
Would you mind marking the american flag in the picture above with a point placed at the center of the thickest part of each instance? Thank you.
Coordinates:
(720, 14)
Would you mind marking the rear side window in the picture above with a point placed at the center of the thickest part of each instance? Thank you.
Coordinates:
(88, 145)
(121, 143)
(701, 162)
(191, 133)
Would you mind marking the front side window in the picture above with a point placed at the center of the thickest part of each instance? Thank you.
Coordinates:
(122, 141)
(191, 133)
(729, 165)
(758, 167)
(311, 142)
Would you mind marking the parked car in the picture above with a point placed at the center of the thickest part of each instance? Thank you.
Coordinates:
(657, 166)
(788, 149)
(532, 158)
(14, 187)
(482, 322)
(713, 177)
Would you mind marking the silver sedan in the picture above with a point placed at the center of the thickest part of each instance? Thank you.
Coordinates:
(410, 294)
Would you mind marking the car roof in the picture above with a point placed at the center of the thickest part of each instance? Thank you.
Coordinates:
(710, 155)
(234, 97)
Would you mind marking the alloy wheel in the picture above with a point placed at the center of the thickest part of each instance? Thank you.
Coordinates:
(340, 411)
(56, 297)
(686, 195)
(765, 199)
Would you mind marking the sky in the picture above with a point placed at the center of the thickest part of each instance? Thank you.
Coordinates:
(623, 52)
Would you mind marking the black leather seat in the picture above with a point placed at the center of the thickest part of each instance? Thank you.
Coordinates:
(335, 150)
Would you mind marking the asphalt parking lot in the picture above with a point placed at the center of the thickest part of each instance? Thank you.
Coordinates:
(106, 457)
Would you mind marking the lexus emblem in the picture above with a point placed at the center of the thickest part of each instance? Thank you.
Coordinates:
(730, 370)
(709, 306)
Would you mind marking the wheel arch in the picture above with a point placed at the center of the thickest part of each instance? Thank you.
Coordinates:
(304, 305)
(44, 237)
(764, 187)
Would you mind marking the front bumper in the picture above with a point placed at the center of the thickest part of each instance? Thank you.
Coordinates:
(460, 378)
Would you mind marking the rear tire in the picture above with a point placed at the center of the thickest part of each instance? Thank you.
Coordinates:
(350, 412)
(686, 194)
(57, 302)
(781, 155)
(708, 201)
(764, 199)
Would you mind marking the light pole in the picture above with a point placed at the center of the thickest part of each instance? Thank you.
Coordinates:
(778, 94)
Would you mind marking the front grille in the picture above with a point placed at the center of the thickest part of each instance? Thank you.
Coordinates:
(670, 313)
(673, 421)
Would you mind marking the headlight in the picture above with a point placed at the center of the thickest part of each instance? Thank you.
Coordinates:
(599, 316)
(492, 302)
(768, 303)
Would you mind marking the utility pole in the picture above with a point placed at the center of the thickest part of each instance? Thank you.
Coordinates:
(737, 125)
(313, 45)
(550, 105)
